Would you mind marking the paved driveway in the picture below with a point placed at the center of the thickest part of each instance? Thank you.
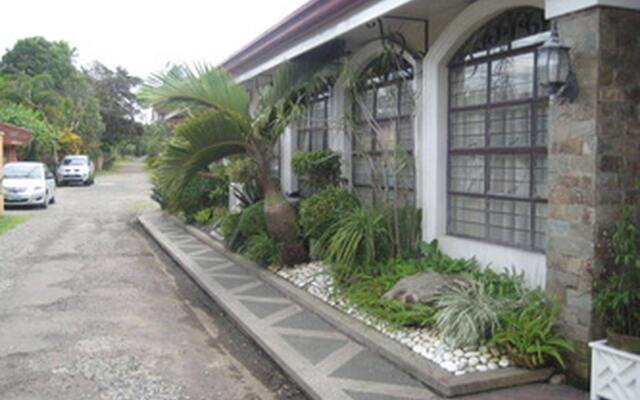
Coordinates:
(90, 310)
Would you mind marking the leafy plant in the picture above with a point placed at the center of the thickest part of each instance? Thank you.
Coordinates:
(433, 259)
(322, 210)
(528, 337)
(262, 249)
(507, 285)
(229, 229)
(252, 220)
(360, 238)
(222, 123)
(319, 169)
(204, 216)
(467, 314)
(618, 297)
(404, 225)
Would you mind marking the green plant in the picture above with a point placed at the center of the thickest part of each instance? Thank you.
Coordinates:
(528, 337)
(618, 297)
(196, 196)
(322, 210)
(222, 123)
(360, 238)
(252, 220)
(366, 292)
(229, 229)
(319, 169)
(467, 314)
(204, 216)
(262, 249)
(404, 225)
(508, 285)
(433, 259)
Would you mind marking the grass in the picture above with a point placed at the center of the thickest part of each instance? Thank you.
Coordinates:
(8, 222)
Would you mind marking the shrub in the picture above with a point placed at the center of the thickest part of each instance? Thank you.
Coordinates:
(252, 220)
(262, 249)
(204, 216)
(319, 169)
(404, 224)
(507, 285)
(229, 229)
(433, 259)
(319, 212)
(196, 195)
(528, 337)
(360, 238)
(467, 315)
(618, 294)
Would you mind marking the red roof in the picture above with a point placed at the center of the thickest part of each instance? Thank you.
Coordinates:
(15, 136)
(311, 16)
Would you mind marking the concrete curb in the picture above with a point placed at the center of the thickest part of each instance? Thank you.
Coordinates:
(406, 360)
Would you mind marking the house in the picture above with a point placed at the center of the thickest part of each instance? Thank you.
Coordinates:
(13, 138)
(503, 172)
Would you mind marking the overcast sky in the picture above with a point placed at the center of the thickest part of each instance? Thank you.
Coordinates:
(143, 35)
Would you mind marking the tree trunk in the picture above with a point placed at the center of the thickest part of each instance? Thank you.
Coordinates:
(280, 217)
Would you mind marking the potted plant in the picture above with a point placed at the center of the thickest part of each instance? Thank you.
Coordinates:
(615, 362)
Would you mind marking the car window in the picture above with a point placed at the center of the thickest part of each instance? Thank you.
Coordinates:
(22, 171)
(74, 161)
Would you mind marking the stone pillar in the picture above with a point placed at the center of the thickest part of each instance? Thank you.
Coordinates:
(594, 160)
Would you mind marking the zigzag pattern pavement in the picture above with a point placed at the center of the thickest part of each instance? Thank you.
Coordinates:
(323, 360)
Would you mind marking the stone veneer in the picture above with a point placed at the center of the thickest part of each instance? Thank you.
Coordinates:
(594, 163)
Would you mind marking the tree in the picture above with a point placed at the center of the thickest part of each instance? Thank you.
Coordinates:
(222, 125)
(45, 138)
(118, 103)
(36, 56)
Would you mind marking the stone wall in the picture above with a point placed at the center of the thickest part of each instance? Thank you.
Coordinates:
(594, 160)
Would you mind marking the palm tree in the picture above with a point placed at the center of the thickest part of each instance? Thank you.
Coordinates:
(221, 124)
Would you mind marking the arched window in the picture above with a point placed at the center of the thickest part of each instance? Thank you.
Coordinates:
(313, 128)
(383, 133)
(497, 161)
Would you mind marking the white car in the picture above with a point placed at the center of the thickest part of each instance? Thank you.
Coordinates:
(78, 168)
(28, 184)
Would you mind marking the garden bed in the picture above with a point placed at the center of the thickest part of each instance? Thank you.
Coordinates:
(316, 279)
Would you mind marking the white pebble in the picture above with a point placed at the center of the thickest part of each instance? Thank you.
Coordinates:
(482, 368)
(473, 361)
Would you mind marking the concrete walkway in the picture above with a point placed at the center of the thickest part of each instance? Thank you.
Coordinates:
(327, 363)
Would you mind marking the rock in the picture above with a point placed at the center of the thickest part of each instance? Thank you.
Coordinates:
(472, 354)
(423, 287)
(558, 379)
(473, 361)
(482, 368)
(458, 353)
(483, 349)
(504, 363)
(492, 366)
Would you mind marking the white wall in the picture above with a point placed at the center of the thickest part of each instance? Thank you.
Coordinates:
(555, 8)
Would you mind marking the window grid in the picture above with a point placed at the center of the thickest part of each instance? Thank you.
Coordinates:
(402, 118)
(466, 217)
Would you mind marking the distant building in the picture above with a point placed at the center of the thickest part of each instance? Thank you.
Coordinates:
(14, 137)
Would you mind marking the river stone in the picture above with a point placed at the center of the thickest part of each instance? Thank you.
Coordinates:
(422, 288)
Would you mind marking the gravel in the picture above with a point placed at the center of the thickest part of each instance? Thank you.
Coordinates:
(316, 279)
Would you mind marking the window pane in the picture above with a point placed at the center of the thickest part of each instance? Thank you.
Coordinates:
(303, 140)
(467, 174)
(510, 126)
(364, 107)
(509, 175)
(542, 118)
(407, 104)
(467, 216)
(540, 176)
(406, 133)
(467, 129)
(365, 194)
(361, 171)
(386, 135)
(387, 105)
(512, 78)
(510, 222)
(362, 138)
(318, 116)
(317, 140)
(540, 242)
(468, 85)
(406, 178)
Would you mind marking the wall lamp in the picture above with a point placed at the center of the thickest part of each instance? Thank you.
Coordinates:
(554, 67)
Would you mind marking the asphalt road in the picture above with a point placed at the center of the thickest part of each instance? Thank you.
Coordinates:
(91, 309)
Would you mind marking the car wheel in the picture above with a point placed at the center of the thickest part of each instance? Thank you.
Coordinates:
(53, 200)
(45, 203)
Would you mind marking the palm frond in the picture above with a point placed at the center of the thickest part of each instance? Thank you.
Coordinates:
(199, 141)
(197, 88)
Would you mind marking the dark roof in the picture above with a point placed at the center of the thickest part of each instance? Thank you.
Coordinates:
(311, 16)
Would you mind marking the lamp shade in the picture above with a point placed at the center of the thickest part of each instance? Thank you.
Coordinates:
(554, 64)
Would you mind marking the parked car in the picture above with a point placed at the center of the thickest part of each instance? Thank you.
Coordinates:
(77, 168)
(28, 184)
